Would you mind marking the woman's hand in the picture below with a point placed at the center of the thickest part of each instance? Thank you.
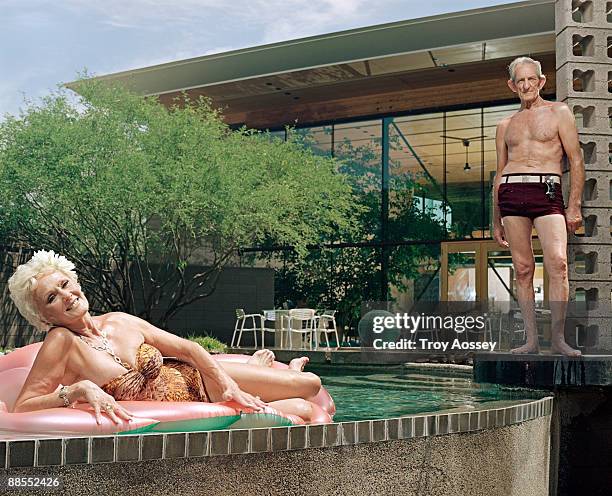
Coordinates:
(231, 392)
(89, 392)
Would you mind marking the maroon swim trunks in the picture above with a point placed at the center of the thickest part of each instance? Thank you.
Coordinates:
(529, 200)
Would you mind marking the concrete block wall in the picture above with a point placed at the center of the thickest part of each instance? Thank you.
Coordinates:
(583, 31)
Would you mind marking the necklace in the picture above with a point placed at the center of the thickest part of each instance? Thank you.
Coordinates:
(105, 347)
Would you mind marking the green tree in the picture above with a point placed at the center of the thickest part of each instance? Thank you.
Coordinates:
(134, 192)
(343, 278)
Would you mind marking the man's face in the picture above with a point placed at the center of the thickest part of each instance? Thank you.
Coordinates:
(527, 84)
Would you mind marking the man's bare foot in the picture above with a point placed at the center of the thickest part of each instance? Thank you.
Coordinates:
(265, 358)
(564, 349)
(526, 348)
(298, 363)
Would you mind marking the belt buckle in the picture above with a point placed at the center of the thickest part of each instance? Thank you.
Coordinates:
(525, 179)
(550, 187)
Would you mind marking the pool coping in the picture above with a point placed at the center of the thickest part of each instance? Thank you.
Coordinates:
(50, 452)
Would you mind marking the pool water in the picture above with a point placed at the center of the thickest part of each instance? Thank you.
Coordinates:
(385, 392)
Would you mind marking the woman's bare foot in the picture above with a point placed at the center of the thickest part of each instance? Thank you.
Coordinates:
(564, 349)
(265, 358)
(298, 363)
(526, 348)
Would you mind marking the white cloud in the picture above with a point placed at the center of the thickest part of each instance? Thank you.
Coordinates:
(278, 18)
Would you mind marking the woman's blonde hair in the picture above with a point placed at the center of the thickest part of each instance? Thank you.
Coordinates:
(24, 281)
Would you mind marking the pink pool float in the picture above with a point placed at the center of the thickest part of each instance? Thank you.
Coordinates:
(149, 416)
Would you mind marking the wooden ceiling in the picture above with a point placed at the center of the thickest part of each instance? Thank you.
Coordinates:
(347, 91)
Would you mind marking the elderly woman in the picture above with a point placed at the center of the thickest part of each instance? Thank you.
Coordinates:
(116, 356)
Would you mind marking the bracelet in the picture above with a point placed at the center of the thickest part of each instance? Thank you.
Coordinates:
(63, 394)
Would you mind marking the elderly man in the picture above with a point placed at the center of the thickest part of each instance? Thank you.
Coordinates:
(527, 192)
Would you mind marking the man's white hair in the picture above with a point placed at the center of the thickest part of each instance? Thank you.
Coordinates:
(524, 60)
(23, 282)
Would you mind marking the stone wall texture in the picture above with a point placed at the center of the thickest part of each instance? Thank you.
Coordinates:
(505, 461)
(584, 72)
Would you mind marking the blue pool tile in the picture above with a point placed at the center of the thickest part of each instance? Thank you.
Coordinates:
(198, 444)
(279, 438)
(219, 442)
(442, 426)
(128, 448)
(393, 428)
(175, 445)
(239, 441)
(103, 449)
(453, 423)
(315, 436)
(297, 437)
(379, 430)
(332, 435)
(464, 422)
(407, 427)
(260, 440)
(152, 447)
(49, 452)
(348, 433)
(21, 453)
(363, 431)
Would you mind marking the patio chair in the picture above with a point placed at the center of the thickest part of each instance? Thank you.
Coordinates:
(269, 316)
(301, 320)
(326, 323)
(241, 321)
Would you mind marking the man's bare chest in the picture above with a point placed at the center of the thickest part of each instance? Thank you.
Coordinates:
(528, 127)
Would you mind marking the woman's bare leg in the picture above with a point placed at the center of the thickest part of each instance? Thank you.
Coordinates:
(268, 383)
(294, 406)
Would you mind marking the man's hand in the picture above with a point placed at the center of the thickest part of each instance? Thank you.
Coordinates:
(573, 219)
(499, 236)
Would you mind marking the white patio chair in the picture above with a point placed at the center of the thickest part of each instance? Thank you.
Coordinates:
(269, 316)
(300, 320)
(326, 323)
(241, 321)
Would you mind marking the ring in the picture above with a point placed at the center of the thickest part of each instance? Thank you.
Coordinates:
(108, 407)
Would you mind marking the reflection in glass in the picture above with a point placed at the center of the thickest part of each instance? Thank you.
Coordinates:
(462, 276)
(358, 148)
(318, 139)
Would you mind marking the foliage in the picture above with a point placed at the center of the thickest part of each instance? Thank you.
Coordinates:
(209, 343)
(344, 278)
(135, 193)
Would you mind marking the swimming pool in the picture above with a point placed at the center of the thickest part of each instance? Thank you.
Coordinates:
(363, 393)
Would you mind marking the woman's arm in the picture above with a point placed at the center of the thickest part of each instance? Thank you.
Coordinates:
(49, 367)
(196, 356)
(40, 388)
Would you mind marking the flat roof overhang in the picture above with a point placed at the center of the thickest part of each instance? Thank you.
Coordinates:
(300, 79)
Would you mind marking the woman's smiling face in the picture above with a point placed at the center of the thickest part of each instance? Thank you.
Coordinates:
(59, 299)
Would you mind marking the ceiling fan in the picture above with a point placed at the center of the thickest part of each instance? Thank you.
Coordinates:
(466, 143)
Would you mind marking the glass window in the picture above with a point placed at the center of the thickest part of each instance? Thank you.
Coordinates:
(358, 148)
(319, 139)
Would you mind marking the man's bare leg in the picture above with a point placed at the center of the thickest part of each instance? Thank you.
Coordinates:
(553, 238)
(518, 234)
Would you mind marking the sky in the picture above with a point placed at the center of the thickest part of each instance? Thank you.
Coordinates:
(44, 43)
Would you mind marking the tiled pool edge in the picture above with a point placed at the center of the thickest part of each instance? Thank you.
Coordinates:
(125, 448)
